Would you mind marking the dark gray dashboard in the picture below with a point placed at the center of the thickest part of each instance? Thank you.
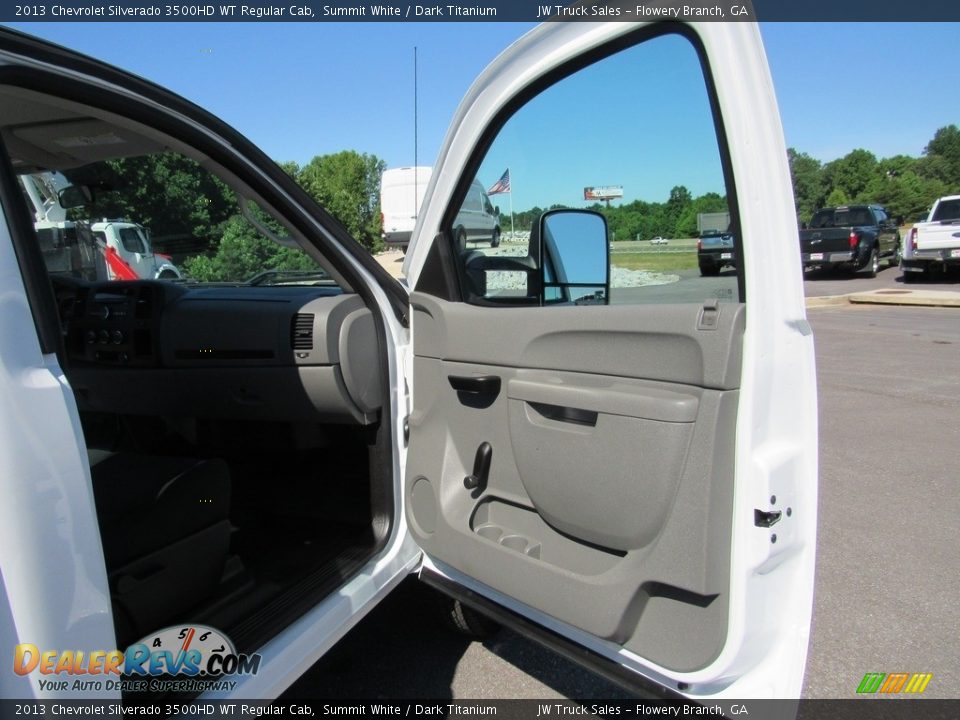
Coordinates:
(286, 353)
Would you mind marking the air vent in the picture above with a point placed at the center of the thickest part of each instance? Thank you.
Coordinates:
(144, 307)
(301, 334)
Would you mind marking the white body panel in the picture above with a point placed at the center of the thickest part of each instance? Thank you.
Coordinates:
(53, 585)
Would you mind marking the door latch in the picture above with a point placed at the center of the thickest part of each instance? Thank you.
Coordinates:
(766, 518)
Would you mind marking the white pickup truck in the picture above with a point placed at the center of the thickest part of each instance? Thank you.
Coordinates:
(934, 244)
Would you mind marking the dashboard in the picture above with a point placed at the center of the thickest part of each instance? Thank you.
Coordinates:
(286, 353)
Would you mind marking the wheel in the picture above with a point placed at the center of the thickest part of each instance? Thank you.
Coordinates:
(495, 240)
(167, 275)
(708, 271)
(465, 620)
(895, 260)
(912, 277)
(873, 264)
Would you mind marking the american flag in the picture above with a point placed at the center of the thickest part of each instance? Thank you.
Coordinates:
(502, 185)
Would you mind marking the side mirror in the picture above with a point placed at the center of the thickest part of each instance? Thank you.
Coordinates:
(574, 258)
(496, 210)
(74, 196)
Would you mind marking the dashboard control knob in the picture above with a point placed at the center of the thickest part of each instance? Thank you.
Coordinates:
(90, 337)
(117, 337)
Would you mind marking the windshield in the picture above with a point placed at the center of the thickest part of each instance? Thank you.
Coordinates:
(198, 233)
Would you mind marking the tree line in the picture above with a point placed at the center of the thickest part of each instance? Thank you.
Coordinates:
(196, 217)
(905, 186)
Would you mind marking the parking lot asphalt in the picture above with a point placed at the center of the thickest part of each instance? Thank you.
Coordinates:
(888, 573)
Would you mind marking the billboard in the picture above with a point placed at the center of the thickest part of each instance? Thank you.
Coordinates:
(603, 192)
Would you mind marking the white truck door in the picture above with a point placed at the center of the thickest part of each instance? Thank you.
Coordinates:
(631, 465)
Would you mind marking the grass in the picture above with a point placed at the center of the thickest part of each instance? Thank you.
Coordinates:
(654, 261)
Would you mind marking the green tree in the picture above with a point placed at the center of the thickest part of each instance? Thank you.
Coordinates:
(850, 174)
(710, 203)
(347, 184)
(171, 194)
(941, 159)
(808, 184)
(837, 197)
(242, 252)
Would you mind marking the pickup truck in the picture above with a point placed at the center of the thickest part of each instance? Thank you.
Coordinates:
(714, 252)
(935, 243)
(855, 237)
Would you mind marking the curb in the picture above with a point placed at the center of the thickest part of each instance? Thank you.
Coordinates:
(828, 301)
(916, 298)
(926, 298)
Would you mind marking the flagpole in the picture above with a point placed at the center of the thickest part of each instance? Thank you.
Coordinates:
(513, 235)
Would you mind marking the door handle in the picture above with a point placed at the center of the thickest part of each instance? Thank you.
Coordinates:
(476, 391)
(484, 385)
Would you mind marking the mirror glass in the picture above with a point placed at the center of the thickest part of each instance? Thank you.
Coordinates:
(74, 196)
(574, 257)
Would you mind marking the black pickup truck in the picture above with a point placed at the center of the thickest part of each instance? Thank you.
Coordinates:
(715, 251)
(854, 237)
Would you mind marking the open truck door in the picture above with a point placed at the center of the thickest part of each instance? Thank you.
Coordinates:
(635, 475)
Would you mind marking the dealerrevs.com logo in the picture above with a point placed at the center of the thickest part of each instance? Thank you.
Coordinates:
(190, 658)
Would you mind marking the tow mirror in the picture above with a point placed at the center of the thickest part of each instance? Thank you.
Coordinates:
(574, 258)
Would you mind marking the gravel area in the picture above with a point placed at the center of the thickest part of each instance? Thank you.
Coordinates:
(506, 280)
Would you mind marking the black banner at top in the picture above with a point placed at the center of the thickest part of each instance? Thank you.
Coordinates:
(480, 11)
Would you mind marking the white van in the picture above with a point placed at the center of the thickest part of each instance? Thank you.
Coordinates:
(401, 194)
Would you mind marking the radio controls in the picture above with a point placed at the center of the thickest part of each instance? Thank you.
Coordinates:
(117, 337)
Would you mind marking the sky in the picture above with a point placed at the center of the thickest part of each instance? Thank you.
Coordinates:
(305, 89)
